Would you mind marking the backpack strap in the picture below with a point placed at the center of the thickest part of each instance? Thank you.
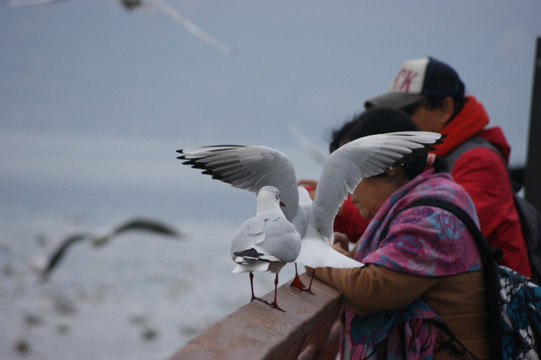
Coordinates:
(478, 142)
(530, 221)
(471, 143)
(488, 257)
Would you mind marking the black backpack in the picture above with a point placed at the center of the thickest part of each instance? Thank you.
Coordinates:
(530, 218)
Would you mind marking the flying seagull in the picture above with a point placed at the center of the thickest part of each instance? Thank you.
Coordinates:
(104, 236)
(139, 4)
(265, 242)
(192, 28)
(252, 167)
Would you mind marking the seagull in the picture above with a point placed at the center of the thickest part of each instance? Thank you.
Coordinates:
(131, 5)
(103, 237)
(265, 242)
(252, 167)
(192, 28)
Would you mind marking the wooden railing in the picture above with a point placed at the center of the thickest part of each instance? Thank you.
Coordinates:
(308, 329)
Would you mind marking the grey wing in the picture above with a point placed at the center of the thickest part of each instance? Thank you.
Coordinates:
(250, 233)
(266, 238)
(60, 252)
(148, 225)
(249, 168)
(192, 28)
(364, 157)
(281, 240)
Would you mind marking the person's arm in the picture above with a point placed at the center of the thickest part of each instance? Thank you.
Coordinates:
(374, 288)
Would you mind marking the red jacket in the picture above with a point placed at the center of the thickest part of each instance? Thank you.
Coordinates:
(484, 176)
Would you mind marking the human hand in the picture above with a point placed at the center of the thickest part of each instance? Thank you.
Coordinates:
(341, 240)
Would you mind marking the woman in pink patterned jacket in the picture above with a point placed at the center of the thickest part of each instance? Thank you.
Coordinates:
(423, 276)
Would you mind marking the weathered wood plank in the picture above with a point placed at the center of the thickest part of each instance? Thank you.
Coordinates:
(257, 331)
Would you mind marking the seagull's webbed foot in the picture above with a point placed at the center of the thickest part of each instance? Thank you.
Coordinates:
(271, 304)
(275, 305)
(298, 284)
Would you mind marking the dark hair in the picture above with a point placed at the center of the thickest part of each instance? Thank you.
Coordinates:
(382, 120)
(341, 135)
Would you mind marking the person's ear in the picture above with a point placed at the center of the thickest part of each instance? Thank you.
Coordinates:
(448, 109)
(397, 176)
(392, 173)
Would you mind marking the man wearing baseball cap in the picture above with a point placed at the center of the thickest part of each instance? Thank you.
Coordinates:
(432, 94)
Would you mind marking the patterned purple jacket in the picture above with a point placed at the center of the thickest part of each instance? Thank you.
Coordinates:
(423, 241)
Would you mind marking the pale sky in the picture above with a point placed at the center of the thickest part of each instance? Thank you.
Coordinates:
(92, 95)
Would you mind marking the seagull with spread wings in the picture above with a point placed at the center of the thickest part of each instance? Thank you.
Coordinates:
(252, 167)
(104, 236)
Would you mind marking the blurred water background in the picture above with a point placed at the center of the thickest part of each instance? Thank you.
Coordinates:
(140, 297)
(94, 101)
(143, 295)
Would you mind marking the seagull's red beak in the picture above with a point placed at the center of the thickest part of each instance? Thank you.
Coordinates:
(282, 204)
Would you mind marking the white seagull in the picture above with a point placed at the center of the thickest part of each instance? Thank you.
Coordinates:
(252, 167)
(265, 242)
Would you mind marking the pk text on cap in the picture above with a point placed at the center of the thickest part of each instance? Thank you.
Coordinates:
(417, 79)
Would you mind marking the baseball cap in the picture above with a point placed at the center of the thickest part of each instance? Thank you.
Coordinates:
(417, 79)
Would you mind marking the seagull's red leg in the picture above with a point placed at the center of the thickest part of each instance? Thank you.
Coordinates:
(311, 279)
(274, 304)
(297, 283)
(252, 286)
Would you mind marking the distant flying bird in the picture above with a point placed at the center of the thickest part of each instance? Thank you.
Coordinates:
(192, 28)
(265, 242)
(104, 236)
(252, 167)
(138, 4)
(131, 4)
